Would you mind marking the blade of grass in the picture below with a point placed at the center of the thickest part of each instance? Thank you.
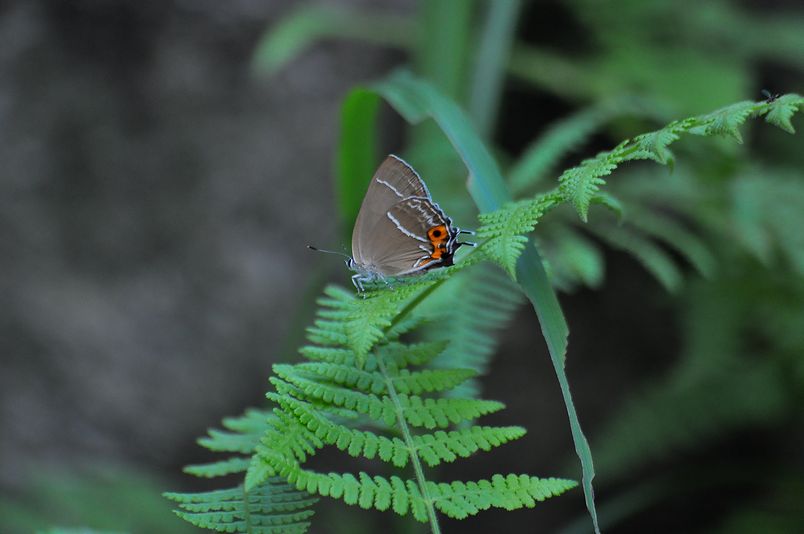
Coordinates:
(357, 153)
(496, 39)
(303, 27)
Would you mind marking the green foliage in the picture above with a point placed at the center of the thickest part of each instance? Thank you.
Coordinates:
(566, 135)
(273, 507)
(305, 25)
(580, 185)
(366, 393)
(488, 301)
(416, 100)
(360, 374)
(320, 402)
(504, 232)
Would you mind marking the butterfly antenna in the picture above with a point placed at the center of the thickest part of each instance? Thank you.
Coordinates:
(311, 247)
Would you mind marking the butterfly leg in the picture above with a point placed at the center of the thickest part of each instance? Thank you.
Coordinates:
(388, 284)
(357, 281)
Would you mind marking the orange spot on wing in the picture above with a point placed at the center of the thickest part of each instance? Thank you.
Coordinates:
(438, 236)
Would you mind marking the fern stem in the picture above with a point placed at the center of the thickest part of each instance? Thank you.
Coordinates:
(246, 511)
(408, 437)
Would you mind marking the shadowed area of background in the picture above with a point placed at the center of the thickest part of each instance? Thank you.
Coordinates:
(156, 197)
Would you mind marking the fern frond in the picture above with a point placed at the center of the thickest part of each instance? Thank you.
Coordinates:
(457, 499)
(244, 436)
(273, 508)
(567, 134)
(426, 381)
(306, 389)
(443, 446)
(429, 413)
(780, 111)
(270, 507)
(653, 145)
(461, 499)
(726, 121)
(402, 355)
(504, 232)
(397, 354)
(358, 324)
(432, 413)
(380, 390)
(579, 185)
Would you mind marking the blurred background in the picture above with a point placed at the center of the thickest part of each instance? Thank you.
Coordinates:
(165, 163)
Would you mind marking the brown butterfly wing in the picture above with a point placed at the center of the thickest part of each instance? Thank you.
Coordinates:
(394, 181)
(399, 243)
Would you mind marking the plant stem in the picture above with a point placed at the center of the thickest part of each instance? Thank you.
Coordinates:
(414, 457)
(246, 511)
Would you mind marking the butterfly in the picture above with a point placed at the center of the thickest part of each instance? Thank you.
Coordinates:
(399, 230)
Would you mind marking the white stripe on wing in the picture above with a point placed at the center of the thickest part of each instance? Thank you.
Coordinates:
(405, 230)
(389, 186)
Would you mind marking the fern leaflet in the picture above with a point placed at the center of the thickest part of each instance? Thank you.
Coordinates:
(272, 507)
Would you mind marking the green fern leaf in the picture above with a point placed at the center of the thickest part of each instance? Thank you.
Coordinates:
(374, 382)
(443, 446)
(505, 231)
(355, 442)
(327, 334)
(218, 469)
(462, 499)
(579, 185)
(781, 111)
(404, 355)
(307, 389)
(653, 145)
(397, 354)
(275, 507)
(726, 121)
(432, 413)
